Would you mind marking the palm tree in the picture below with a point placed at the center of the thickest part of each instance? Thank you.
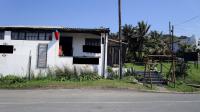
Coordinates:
(128, 32)
(142, 30)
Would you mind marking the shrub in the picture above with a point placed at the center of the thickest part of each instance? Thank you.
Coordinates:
(89, 76)
(181, 69)
(129, 72)
(130, 79)
(111, 74)
(11, 79)
(65, 74)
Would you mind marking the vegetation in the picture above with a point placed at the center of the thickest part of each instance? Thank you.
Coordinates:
(66, 78)
(141, 42)
(192, 77)
(102, 83)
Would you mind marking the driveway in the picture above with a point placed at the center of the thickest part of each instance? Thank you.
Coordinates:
(88, 100)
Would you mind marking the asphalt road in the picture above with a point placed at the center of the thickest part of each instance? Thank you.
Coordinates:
(83, 100)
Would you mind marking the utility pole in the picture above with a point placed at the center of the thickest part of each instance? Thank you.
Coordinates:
(170, 29)
(120, 40)
(173, 61)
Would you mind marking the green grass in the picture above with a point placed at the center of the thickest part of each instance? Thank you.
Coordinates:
(135, 66)
(103, 83)
(193, 75)
(181, 85)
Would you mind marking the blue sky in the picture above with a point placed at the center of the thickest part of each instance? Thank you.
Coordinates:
(97, 13)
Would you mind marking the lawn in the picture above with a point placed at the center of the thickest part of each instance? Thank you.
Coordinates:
(126, 83)
(102, 83)
(136, 67)
(181, 84)
(193, 75)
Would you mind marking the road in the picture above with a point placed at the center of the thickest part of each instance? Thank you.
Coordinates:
(88, 100)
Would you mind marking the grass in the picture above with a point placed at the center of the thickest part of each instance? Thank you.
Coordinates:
(182, 87)
(94, 82)
(193, 75)
(135, 66)
(181, 84)
(102, 83)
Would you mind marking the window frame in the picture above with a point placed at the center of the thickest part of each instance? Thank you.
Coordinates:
(92, 45)
(2, 34)
(38, 56)
(92, 41)
(32, 36)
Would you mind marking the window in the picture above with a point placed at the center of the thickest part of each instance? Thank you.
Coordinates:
(92, 46)
(14, 36)
(48, 36)
(83, 60)
(92, 42)
(22, 36)
(31, 36)
(65, 46)
(6, 49)
(91, 49)
(42, 56)
(42, 36)
(1, 35)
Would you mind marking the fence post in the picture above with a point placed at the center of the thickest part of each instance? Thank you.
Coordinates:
(29, 67)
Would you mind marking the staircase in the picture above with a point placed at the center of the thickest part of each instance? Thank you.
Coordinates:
(155, 77)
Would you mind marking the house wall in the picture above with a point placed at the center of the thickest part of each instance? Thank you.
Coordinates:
(17, 63)
(198, 43)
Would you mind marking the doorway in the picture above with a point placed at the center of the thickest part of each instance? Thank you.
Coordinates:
(65, 46)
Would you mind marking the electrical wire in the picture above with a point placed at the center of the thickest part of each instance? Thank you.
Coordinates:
(186, 21)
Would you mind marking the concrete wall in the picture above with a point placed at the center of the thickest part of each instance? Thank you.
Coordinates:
(17, 63)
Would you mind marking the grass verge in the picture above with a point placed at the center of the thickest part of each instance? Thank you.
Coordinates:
(181, 84)
(102, 83)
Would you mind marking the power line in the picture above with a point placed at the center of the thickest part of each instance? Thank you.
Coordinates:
(186, 21)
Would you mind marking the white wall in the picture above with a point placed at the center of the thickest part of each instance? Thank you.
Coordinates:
(17, 63)
(198, 43)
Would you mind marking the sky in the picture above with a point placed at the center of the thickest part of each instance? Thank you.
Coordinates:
(184, 14)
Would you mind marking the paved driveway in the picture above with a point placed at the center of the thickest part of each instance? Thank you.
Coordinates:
(83, 100)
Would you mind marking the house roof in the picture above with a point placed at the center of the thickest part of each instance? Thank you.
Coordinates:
(59, 28)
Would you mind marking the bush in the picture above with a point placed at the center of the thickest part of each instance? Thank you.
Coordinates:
(11, 79)
(89, 76)
(130, 79)
(181, 69)
(129, 72)
(111, 74)
(65, 74)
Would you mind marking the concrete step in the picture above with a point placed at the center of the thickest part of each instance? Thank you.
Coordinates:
(154, 79)
(156, 82)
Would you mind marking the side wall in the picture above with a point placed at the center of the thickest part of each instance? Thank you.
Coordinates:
(17, 63)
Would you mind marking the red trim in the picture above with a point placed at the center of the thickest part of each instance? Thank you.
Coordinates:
(57, 35)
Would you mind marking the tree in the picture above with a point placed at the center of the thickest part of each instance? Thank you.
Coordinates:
(142, 31)
(128, 32)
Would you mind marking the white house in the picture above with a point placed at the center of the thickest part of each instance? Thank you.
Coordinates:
(24, 49)
(198, 43)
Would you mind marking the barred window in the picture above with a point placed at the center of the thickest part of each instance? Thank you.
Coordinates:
(1, 35)
(92, 42)
(14, 36)
(31, 36)
(22, 36)
(48, 36)
(42, 36)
